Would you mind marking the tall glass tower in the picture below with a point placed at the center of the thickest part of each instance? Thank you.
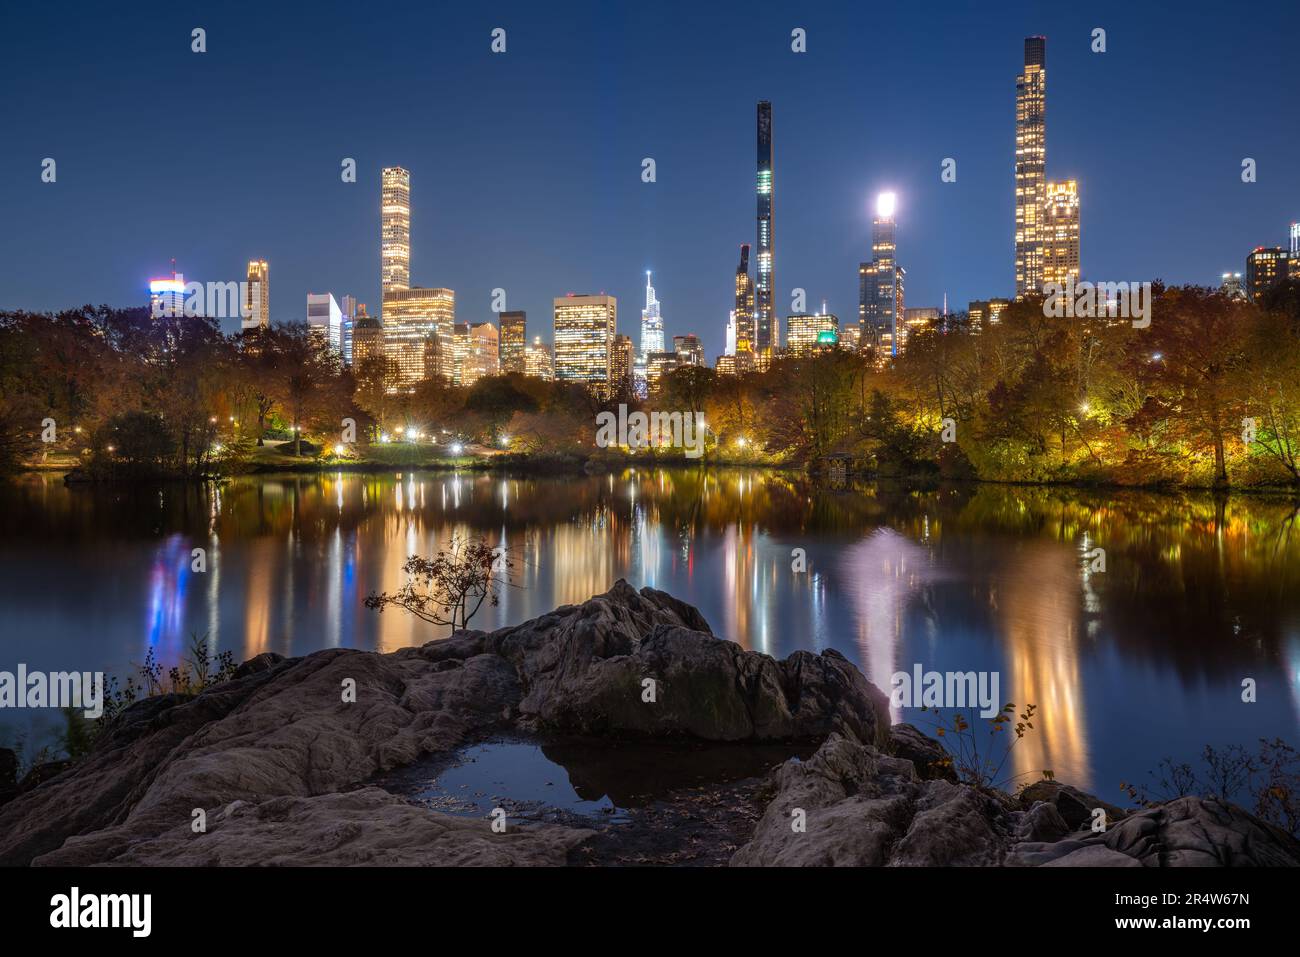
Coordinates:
(394, 230)
(652, 324)
(767, 332)
(1031, 166)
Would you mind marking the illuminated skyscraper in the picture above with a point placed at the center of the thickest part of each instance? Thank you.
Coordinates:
(880, 284)
(412, 316)
(394, 230)
(349, 305)
(167, 296)
(367, 339)
(652, 329)
(621, 367)
(477, 349)
(767, 332)
(325, 319)
(689, 350)
(1031, 166)
(744, 314)
(538, 361)
(514, 340)
(1264, 266)
(584, 340)
(1060, 233)
(257, 295)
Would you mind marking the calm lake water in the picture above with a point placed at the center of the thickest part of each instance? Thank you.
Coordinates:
(1141, 661)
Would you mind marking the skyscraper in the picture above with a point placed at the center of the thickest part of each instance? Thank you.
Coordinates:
(767, 334)
(1264, 266)
(621, 365)
(744, 314)
(689, 350)
(349, 306)
(652, 323)
(514, 340)
(1031, 166)
(367, 340)
(1060, 233)
(880, 284)
(395, 230)
(325, 319)
(584, 340)
(538, 361)
(412, 316)
(257, 297)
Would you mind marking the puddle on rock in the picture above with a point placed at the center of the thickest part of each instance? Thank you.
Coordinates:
(652, 802)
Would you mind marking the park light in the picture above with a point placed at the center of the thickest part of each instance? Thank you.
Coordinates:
(505, 441)
(410, 432)
(383, 437)
(216, 448)
(340, 450)
(741, 441)
(1085, 408)
(112, 448)
(457, 448)
(886, 203)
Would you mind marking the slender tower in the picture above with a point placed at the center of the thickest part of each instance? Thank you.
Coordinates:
(767, 332)
(652, 324)
(1031, 165)
(744, 298)
(394, 230)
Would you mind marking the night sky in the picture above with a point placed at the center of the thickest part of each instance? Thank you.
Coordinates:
(526, 166)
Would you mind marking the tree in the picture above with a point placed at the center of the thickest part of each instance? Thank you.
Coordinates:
(451, 587)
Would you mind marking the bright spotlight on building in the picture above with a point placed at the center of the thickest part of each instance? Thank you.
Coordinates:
(886, 203)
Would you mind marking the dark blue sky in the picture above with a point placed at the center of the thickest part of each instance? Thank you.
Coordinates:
(526, 166)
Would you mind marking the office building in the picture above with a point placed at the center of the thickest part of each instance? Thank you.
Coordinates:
(584, 340)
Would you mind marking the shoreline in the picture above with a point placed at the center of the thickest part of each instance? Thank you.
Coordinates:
(544, 465)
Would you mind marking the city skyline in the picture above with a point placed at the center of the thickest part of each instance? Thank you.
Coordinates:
(825, 219)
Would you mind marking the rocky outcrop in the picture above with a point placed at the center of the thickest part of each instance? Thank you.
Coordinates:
(626, 662)
(850, 804)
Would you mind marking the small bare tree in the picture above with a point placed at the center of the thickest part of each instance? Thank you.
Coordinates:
(451, 587)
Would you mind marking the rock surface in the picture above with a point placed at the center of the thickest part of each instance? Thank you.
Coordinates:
(278, 759)
(865, 808)
(282, 729)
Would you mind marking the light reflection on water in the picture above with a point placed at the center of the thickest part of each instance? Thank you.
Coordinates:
(1127, 665)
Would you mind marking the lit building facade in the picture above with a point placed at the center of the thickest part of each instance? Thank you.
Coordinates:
(167, 296)
(394, 230)
(478, 352)
(743, 315)
(806, 333)
(919, 320)
(1232, 286)
(985, 311)
(652, 329)
(881, 284)
(1031, 166)
(689, 350)
(514, 340)
(1264, 266)
(367, 339)
(767, 333)
(623, 365)
(325, 319)
(257, 295)
(411, 316)
(1060, 233)
(538, 361)
(584, 340)
(658, 365)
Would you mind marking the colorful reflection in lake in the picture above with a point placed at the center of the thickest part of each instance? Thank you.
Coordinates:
(1143, 660)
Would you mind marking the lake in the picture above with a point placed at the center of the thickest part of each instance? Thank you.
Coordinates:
(1140, 661)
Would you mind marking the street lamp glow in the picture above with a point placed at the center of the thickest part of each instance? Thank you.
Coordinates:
(457, 448)
(340, 450)
(886, 203)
